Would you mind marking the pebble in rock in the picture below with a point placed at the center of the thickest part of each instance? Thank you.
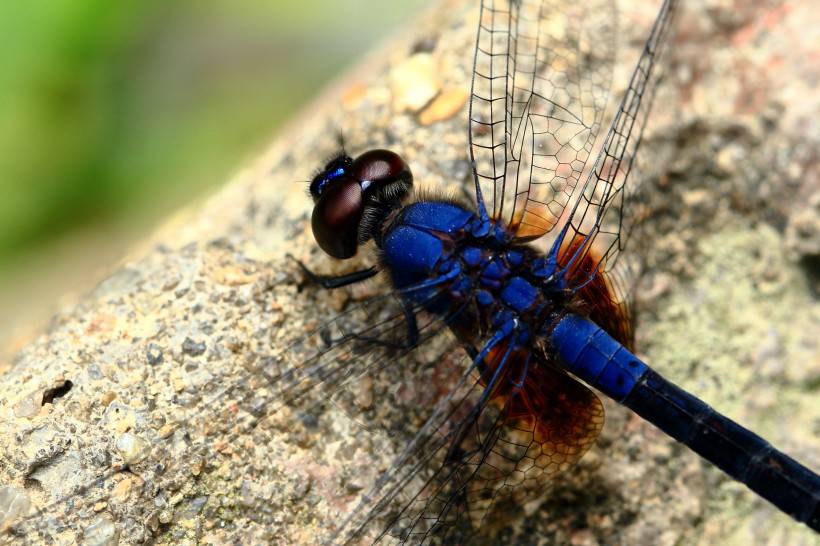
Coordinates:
(101, 532)
(13, 504)
(132, 448)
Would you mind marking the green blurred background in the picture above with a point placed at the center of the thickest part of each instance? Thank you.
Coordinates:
(112, 114)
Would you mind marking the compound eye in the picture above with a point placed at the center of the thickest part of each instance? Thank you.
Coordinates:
(336, 218)
(380, 167)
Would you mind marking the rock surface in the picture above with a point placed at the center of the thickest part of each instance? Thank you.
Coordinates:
(142, 412)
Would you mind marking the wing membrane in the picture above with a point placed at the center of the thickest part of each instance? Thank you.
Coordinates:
(478, 451)
(369, 338)
(540, 85)
(599, 217)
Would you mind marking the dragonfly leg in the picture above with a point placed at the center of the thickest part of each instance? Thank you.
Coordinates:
(331, 281)
(455, 451)
(412, 325)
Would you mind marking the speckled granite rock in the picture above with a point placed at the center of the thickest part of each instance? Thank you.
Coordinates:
(142, 414)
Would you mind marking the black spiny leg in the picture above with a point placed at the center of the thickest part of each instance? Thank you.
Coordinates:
(412, 325)
(330, 281)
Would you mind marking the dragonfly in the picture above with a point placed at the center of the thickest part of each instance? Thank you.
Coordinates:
(527, 279)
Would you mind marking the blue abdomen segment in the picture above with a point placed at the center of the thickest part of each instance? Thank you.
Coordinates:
(594, 356)
(588, 352)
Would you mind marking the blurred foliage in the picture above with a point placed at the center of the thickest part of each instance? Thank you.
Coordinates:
(118, 109)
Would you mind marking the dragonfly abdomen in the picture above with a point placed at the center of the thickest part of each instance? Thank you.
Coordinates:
(588, 352)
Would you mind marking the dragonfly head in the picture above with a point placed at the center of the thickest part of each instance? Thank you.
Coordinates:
(351, 195)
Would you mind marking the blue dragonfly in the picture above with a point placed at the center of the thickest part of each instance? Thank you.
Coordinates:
(527, 281)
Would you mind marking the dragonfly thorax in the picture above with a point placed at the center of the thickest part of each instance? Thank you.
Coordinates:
(452, 259)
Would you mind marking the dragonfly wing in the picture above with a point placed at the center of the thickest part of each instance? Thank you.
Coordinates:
(541, 78)
(599, 223)
(358, 360)
(290, 377)
(477, 452)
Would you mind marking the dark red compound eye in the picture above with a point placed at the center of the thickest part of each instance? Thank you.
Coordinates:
(347, 191)
(380, 167)
(336, 217)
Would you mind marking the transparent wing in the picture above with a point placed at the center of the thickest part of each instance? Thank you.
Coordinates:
(599, 223)
(367, 339)
(541, 77)
(465, 443)
(487, 443)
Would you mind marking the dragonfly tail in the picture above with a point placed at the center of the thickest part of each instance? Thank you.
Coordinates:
(591, 354)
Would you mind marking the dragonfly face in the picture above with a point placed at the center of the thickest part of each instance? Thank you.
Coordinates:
(352, 197)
